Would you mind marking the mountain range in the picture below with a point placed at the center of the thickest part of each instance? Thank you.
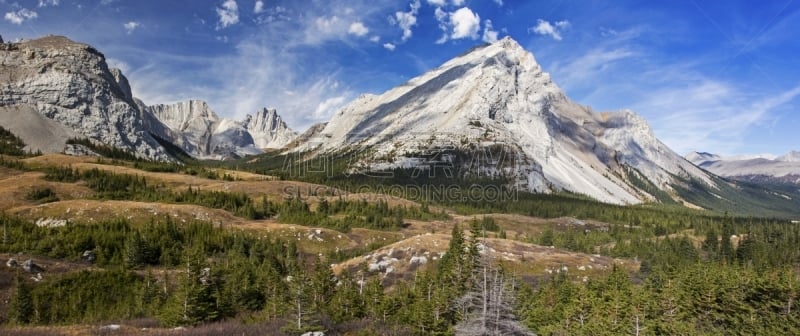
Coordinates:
(53, 89)
(781, 170)
(493, 96)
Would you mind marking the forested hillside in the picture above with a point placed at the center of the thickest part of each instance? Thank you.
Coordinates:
(260, 255)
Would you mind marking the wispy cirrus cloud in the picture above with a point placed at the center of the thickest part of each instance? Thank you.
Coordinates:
(275, 66)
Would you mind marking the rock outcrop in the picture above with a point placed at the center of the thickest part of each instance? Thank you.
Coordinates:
(268, 129)
(70, 83)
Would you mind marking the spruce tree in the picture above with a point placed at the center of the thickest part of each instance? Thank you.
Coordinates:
(21, 308)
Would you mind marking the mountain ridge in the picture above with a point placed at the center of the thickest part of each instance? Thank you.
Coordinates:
(778, 170)
(498, 93)
(61, 89)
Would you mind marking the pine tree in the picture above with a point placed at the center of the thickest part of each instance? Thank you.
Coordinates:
(711, 244)
(21, 307)
(193, 301)
(323, 283)
(135, 250)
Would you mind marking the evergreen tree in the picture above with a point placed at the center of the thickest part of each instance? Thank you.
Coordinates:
(135, 250)
(193, 300)
(711, 244)
(21, 308)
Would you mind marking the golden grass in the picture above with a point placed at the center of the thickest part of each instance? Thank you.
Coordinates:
(14, 188)
(521, 258)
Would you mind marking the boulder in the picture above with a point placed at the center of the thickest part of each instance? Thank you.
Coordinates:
(30, 267)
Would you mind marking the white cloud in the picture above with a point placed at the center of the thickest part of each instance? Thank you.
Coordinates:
(406, 20)
(708, 114)
(544, 27)
(440, 15)
(458, 2)
(358, 29)
(328, 25)
(442, 18)
(21, 16)
(499, 2)
(131, 26)
(228, 14)
(259, 7)
(45, 3)
(592, 65)
(438, 3)
(327, 107)
(277, 65)
(119, 64)
(465, 23)
(489, 35)
(326, 28)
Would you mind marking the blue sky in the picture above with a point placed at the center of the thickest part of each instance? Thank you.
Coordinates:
(719, 76)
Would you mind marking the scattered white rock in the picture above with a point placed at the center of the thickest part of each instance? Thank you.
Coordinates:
(110, 327)
(418, 260)
(51, 222)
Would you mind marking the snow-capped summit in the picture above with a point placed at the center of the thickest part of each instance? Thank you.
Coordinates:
(498, 94)
(268, 129)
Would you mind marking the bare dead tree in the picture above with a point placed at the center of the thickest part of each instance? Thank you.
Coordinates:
(488, 307)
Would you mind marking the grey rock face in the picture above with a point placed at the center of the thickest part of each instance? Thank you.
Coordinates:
(196, 128)
(71, 84)
(268, 129)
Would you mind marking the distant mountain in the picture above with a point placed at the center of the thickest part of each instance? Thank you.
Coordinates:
(268, 129)
(194, 127)
(782, 170)
(53, 89)
(498, 95)
(793, 156)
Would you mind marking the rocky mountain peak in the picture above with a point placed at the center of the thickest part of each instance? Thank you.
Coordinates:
(70, 83)
(187, 115)
(268, 129)
(498, 94)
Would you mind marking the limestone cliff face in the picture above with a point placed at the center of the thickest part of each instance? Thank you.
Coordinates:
(268, 129)
(193, 126)
(71, 84)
